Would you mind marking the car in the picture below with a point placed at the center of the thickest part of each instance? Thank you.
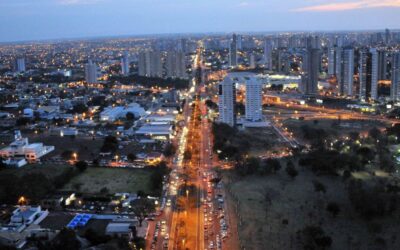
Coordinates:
(211, 246)
(168, 202)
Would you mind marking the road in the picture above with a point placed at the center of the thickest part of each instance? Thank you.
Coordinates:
(190, 215)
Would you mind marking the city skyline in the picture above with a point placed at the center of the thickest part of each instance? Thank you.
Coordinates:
(59, 19)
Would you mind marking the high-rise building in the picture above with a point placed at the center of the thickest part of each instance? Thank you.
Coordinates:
(368, 74)
(182, 45)
(20, 65)
(311, 65)
(347, 72)
(332, 61)
(395, 87)
(382, 65)
(233, 52)
(252, 61)
(150, 64)
(344, 69)
(175, 65)
(268, 47)
(253, 100)
(91, 72)
(226, 101)
(388, 37)
(125, 64)
(239, 44)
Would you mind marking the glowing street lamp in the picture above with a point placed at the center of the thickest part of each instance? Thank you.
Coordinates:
(75, 155)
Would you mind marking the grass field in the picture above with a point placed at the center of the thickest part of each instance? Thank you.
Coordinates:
(265, 203)
(114, 179)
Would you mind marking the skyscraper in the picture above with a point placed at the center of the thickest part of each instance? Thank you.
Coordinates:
(233, 52)
(382, 65)
(150, 64)
(395, 87)
(252, 61)
(226, 101)
(239, 45)
(20, 65)
(368, 74)
(91, 72)
(175, 65)
(253, 100)
(125, 64)
(311, 65)
(388, 37)
(344, 70)
(332, 61)
(268, 47)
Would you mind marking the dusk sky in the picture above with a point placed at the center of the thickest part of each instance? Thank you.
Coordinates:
(47, 19)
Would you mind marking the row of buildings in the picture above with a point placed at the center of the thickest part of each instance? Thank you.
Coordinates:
(172, 64)
(227, 101)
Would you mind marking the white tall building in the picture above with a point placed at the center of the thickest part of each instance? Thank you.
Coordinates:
(125, 64)
(20, 65)
(253, 100)
(368, 73)
(395, 87)
(175, 65)
(91, 72)
(150, 64)
(226, 101)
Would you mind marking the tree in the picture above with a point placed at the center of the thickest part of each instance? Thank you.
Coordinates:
(80, 108)
(66, 239)
(187, 155)
(104, 190)
(169, 150)
(110, 144)
(22, 121)
(273, 164)
(81, 165)
(291, 170)
(142, 207)
(374, 133)
(131, 157)
(313, 237)
(333, 208)
(130, 116)
(319, 187)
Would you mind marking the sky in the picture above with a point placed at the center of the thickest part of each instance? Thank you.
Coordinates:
(22, 20)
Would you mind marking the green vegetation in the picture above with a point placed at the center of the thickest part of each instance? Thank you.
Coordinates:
(232, 144)
(113, 179)
(33, 182)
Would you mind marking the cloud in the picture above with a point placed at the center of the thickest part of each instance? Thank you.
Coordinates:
(243, 4)
(79, 2)
(361, 4)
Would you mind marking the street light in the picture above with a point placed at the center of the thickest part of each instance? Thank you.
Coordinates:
(75, 155)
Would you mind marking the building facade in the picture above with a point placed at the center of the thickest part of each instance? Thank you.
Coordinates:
(253, 100)
(368, 74)
(226, 101)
